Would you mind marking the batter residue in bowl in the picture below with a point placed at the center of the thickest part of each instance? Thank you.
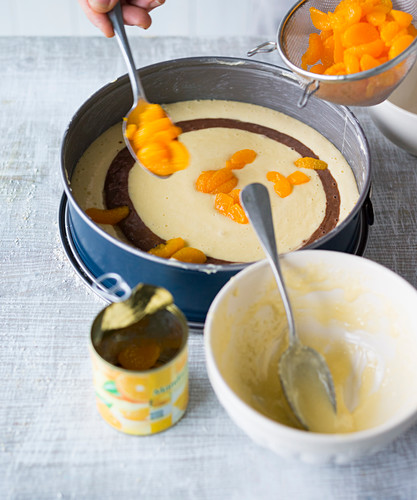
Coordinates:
(212, 131)
(353, 328)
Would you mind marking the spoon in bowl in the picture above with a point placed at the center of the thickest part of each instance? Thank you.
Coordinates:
(139, 97)
(305, 377)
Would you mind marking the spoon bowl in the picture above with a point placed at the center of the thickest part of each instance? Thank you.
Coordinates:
(304, 374)
(139, 98)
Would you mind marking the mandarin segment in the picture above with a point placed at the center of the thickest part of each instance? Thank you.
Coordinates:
(202, 180)
(283, 187)
(320, 19)
(151, 113)
(368, 62)
(402, 18)
(230, 206)
(223, 202)
(307, 162)
(216, 181)
(179, 156)
(399, 45)
(235, 194)
(237, 214)
(218, 178)
(314, 51)
(226, 186)
(351, 63)
(130, 131)
(297, 178)
(376, 17)
(358, 34)
(242, 158)
(139, 356)
(190, 255)
(110, 216)
(165, 250)
(174, 247)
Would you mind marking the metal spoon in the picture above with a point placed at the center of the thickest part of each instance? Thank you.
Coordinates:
(298, 363)
(139, 97)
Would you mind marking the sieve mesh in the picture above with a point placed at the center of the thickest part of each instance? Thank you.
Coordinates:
(293, 42)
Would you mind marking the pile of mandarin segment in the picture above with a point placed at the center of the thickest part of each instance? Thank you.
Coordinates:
(176, 248)
(359, 35)
(222, 182)
(155, 142)
(283, 185)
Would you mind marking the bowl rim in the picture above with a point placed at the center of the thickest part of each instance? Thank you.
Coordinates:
(206, 61)
(398, 109)
(404, 420)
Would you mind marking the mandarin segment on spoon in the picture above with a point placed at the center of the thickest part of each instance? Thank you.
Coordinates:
(154, 140)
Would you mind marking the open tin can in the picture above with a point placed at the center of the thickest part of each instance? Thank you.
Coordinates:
(139, 353)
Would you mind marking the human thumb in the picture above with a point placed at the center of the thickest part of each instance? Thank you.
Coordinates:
(102, 6)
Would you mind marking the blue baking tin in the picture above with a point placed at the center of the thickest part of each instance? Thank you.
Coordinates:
(194, 286)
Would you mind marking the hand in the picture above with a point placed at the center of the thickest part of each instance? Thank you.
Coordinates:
(135, 13)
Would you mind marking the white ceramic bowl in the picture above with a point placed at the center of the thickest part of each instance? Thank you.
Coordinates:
(334, 295)
(396, 117)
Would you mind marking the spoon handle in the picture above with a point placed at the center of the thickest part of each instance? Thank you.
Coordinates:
(257, 205)
(116, 18)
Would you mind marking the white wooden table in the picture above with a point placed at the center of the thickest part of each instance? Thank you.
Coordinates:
(53, 443)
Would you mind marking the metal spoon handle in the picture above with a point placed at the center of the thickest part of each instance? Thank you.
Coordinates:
(257, 205)
(116, 18)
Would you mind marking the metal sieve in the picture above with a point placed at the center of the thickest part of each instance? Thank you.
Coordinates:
(358, 89)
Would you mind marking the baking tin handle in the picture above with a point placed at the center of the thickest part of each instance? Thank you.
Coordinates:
(263, 48)
(308, 90)
(111, 286)
(369, 210)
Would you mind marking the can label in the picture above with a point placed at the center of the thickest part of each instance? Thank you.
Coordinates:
(141, 403)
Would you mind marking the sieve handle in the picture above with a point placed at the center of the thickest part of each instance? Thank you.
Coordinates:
(263, 48)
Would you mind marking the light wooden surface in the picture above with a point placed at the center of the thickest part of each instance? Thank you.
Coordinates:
(53, 443)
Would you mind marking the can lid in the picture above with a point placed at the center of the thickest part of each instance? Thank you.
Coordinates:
(142, 329)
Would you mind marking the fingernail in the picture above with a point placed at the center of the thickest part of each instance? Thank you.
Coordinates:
(156, 3)
(101, 5)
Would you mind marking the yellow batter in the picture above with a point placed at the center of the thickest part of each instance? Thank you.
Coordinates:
(173, 207)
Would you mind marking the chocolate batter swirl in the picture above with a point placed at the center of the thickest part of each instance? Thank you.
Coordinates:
(116, 188)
